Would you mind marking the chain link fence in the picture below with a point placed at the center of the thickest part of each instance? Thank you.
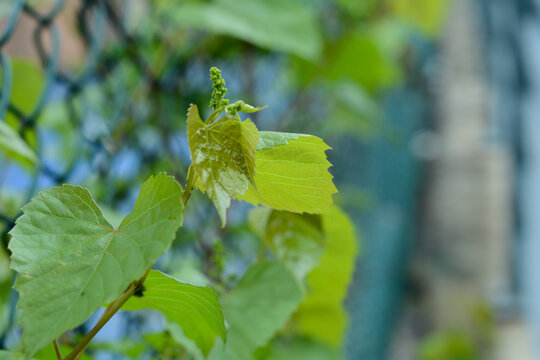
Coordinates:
(109, 48)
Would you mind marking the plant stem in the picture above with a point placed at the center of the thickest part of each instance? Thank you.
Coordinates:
(107, 315)
(57, 350)
(214, 115)
(189, 185)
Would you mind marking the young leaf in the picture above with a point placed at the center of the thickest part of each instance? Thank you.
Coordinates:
(322, 315)
(256, 308)
(70, 260)
(223, 156)
(13, 147)
(241, 106)
(297, 240)
(195, 308)
(292, 176)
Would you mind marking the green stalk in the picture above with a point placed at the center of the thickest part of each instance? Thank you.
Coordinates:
(107, 315)
(57, 350)
(190, 183)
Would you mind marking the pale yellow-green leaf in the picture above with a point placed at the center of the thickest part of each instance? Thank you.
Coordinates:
(322, 315)
(292, 176)
(223, 156)
(13, 147)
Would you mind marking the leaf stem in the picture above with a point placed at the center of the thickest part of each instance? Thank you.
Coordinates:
(189, 185)
(57, 350)
(107, 315)
(214, 115)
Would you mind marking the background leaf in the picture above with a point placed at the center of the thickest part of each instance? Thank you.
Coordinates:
(70, 260)
(297, 240)
(322, 315)
(256, 308)
(28, 83)
(195, 308)
(349, 59)
(301, 349)
(273, 24)
(11, 355)
(15, 148)
(293, 177)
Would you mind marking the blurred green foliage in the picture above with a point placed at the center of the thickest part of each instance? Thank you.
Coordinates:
(322, 66)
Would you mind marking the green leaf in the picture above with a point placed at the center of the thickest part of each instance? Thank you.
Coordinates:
(11, 355)
(292, 176)
(70, 260)
(13, 147)
(448, 345)
(350, 58)
(301, 349)
(273, 24)
(195, 308)
(353, 111)
(322, 315)
(426, 15)
(28, 82)
(177, 335)
(297, 240)
(241, 106)
(223, 156)
(256, 308)
(48, 353)
(269, 139)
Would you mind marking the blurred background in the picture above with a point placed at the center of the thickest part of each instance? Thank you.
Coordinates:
(432, 108)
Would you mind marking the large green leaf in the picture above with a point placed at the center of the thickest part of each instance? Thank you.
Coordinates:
(223, 156)
(280, 25)
(292, 176)
(70, 260)
(13, 147)
(256, 308)
(322, 315)
(195, 308)
(296, 239)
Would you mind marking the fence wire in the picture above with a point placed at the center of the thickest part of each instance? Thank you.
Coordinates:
(98, 23)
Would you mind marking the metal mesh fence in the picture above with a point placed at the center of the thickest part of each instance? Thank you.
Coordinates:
(98, 22)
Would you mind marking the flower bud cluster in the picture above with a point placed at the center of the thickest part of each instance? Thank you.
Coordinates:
(219, 89)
